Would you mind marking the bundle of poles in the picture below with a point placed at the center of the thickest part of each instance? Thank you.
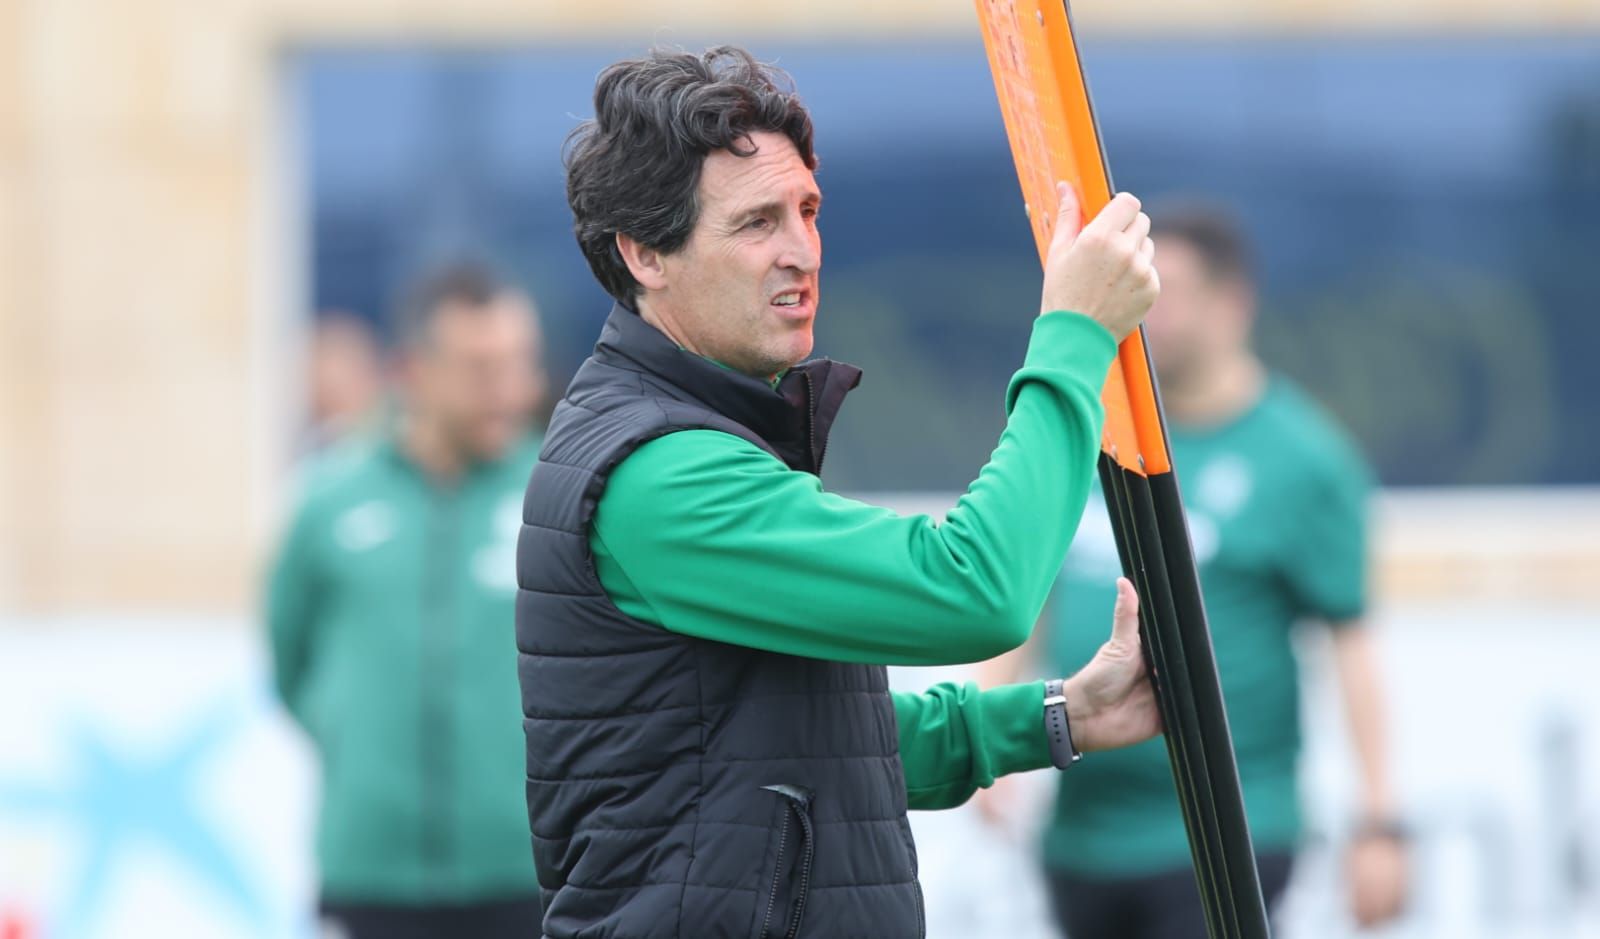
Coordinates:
(1054, 137)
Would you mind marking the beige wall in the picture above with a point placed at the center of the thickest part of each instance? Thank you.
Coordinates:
(11, 381)
(147, 295)
(128, 309)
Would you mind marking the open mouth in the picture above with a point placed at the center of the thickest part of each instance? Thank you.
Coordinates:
(792, 302)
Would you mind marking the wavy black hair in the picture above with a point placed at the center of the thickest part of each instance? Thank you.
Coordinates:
(635, 168)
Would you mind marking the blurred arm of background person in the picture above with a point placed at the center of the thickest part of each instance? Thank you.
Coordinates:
(291, 611)
(1377, 863)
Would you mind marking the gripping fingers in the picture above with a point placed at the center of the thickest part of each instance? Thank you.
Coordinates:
(1118, 214)
(1139, 229)
(1125, 616)
(1069, 214)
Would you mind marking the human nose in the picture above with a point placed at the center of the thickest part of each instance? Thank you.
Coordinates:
(802, 248)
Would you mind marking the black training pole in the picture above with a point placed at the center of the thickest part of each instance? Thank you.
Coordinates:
(1159, 642)
(1206, 685)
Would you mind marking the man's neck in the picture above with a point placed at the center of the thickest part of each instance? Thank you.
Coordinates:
(663, 325)
(1215, 395)
(427, 446)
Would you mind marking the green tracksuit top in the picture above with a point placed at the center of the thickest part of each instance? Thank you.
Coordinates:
(390, 616)
(802, 571)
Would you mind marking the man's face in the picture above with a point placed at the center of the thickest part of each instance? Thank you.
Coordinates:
(743, 289)
(1198, 320)
(476, 375)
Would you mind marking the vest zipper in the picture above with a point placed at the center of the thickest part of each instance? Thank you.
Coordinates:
(798, 804)
(809, 855)
(777, 876)
(811, 422)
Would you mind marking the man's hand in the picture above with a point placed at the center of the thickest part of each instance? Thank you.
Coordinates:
(1376, 873)
(1105, 270)
(1110, 702)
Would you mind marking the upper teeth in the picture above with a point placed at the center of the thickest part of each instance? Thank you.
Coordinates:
(787, 299)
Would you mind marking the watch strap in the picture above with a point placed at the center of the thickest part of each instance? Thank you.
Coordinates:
(1057, 731)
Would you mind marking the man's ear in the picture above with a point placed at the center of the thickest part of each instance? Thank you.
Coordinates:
(645, 264)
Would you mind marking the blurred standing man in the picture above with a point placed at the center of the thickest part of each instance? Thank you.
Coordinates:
(1277, 503)
(712, 747)
(390, 611)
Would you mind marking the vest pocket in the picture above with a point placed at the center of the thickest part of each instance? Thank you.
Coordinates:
(781, 904)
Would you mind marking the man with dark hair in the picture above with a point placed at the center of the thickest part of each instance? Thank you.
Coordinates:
(1276, 496)
(712, 747)
(461, 285)
(389, 613)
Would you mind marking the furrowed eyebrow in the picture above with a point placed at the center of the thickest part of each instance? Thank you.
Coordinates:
(773, 207)
(755, 211)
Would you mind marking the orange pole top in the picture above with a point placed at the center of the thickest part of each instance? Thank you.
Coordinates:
(1054, 138)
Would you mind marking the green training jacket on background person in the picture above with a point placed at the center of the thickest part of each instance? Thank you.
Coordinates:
(390, 613)
(1276, 500)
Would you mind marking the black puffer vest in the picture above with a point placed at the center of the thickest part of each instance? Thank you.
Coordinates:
(679, 787)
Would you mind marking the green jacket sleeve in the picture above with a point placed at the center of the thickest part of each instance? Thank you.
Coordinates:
(706, 534)
(1326, 565)
(955, 739)
(291, 611)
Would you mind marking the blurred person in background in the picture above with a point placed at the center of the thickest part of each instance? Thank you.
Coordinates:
(390, 611)
(1277, 503)
(345, 375)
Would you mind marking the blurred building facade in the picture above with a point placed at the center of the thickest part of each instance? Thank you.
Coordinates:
(161, 251)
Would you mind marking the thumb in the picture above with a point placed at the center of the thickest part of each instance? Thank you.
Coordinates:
(1069, 212)
(1125, 618)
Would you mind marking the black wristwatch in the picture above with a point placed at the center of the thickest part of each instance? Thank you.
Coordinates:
(1062, 753)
